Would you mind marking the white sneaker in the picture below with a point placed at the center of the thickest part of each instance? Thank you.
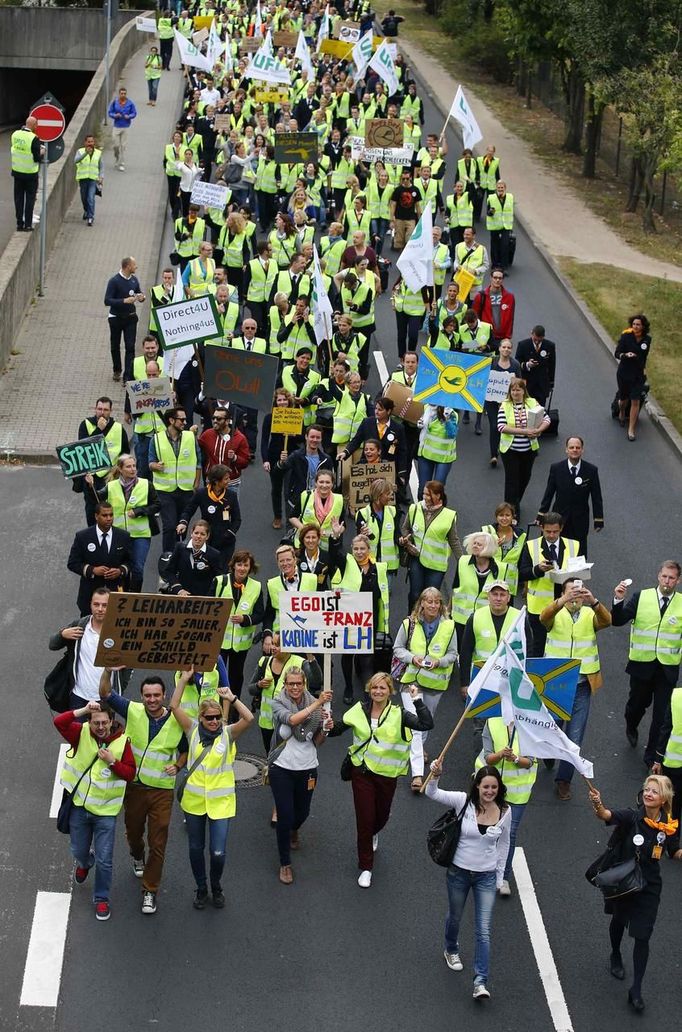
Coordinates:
(365, 879)
(480, 992)
(149, 903)
(505, 888)
(452, 960)
(138, 867)
(121, 168)
(375, 843)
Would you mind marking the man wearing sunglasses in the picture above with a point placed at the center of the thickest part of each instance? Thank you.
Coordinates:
(175, 463)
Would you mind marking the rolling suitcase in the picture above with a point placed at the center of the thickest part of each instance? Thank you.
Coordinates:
(553, 413)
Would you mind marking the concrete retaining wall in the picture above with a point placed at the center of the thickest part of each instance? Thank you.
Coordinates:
(53, 37)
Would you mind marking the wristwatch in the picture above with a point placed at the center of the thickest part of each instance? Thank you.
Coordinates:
(595, 603)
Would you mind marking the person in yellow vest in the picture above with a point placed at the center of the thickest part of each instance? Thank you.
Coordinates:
(410, 308)
(150, 421)
(521, 423)
(441, 261)
(198, 277)
(437, 449)
(572, 622)
(247, 613)
(500, 224)
(471, 256)
(165, 26)
(188, 233)
(88, 162)
(152, 73)
(476, 570)
(148, 800)
(669, 752)
(135, 505)
(378, 522)
(377, 757)
(429, 534)
(26, 152)
(97, 767)
(426, 646)
(460, 215)
(290, 578)
(172, 156)
(267, 681)
(209, 796)
(259, 276)
(551, 551)
(510, 542)
(488, 175)
(320, 507)
(116, 439)
(655, 650)
(175, 462)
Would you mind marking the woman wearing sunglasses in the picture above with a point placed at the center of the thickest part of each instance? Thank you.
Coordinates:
(209, 792)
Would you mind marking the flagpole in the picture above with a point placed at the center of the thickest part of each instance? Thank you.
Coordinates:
(502, 642)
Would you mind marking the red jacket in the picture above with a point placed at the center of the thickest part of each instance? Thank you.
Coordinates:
(484, 310)
(70, 729)
(214, 451)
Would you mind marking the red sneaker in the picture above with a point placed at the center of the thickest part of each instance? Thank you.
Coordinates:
(80, 874)
(102, 911)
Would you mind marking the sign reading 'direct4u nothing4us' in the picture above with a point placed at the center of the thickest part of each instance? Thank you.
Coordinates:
(188, 322)
(327, 621)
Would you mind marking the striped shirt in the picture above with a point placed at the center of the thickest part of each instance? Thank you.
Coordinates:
(519, 442)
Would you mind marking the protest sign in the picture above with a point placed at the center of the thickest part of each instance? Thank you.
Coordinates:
(283, 38)
(89, 455)
(336, 48)
(405, 405)
(292, 148)
(362, 477)
(155, 395)
(348, 31)
(384, 132)
(187, 322)
(273, 95)
(145, 24)
(498, 386)
(202, 21)
(211, 195)
(286, 420)
(390, 156)
(199, 37)
(465, 281)
(249, 45)
(162, 632)
(244, 378)
(326, 622)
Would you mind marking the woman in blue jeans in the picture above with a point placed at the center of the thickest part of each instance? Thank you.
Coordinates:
(478, 864)
(209, 792)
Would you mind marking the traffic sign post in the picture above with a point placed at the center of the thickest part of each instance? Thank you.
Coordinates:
(51, 123)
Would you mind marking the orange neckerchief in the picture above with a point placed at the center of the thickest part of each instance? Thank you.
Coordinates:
(364, 567)
(214, 497)
(669, 827)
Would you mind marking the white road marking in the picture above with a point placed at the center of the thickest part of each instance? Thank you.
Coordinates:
(43, 970)
(57, 789)
(540, 943)
(382, 370)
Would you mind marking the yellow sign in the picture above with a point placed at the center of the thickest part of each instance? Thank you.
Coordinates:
(271, 96)
(465, 281)
(202, 21)
(286, 420)
(337, 48)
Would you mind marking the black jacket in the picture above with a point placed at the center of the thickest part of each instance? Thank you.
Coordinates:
(393, 446)
(180, 573)
(539, 378)
(297, 467)
(571, 499)
(224, 517)
(86, 553)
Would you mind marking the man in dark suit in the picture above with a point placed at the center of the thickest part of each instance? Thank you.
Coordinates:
(388, 432)
(303, 466)
(193, 566)
(537, 357)
(550, 551)
(574, 483)
(303, 111)
(655, 651)
(100, 556)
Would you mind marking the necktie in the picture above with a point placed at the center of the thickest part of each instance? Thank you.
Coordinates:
(553, 554)
(105, 541)
(574, 471)
(408, 381)
(196, 556)
(665, 602)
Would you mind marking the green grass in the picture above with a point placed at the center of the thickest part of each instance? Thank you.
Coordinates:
(612, 295)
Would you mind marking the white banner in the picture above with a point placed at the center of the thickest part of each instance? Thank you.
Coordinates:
(321, 305)
(462, 113)
(211, 195)
(383, 65)
(498, 385)
(145, 25)
(154, 395)
(191, 55)
(362, 54)
(303, 55)
(325, 621)
(188, 322)
(389, 156)
(266, 68)
(416, 260)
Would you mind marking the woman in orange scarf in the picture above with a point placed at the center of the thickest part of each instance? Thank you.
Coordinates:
(219, 506)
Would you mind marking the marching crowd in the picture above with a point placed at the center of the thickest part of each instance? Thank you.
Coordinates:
(187, 476)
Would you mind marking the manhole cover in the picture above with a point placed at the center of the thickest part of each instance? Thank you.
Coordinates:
(248, 770)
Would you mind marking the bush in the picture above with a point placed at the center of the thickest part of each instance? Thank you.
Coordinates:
(477, 40)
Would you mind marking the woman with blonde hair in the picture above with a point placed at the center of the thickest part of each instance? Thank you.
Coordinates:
(378, 522)
(476, 570)
(377, 757)
(643, 832)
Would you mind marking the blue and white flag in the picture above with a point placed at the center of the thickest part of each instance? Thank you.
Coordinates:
(383, 64)
(462, 113)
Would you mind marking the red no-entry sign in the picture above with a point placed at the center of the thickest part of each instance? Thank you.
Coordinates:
(51, 122)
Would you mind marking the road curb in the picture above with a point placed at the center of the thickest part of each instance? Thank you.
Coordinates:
(653, 408)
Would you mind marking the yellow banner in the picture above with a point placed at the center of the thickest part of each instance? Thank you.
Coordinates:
(286, 420)
(271, 96)
(202, 21)
(337, 48)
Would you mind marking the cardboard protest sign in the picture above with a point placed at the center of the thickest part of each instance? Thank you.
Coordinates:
(348, 31)
(384, 132)
(272, 95)
(326, 622)
(287, 421)
(89, 455)
(155, 395)
(362, 476)
(292, 148)
(465, 281)
(222, 123)
(283, 38)
(186, 322)
(498, 385)
(211, 195)
(250, 45)
(243, 378)
(405, 405)
(199, 37)
(162, 632)
(145, 24)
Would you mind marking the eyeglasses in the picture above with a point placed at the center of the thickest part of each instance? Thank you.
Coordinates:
(212, 716)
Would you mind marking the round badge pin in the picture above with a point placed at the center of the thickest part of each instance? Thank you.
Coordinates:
(108, 643)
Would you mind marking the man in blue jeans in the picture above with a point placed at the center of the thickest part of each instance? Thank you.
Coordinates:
(122, 112)
(96, 770)
(572, 622)
(88, 163)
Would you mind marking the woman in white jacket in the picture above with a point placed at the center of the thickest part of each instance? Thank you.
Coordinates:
(478, 863)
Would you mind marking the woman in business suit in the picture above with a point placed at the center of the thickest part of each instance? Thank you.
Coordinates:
(193, 566)
(631, 353)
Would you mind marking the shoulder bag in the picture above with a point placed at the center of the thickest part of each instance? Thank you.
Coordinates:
(442, 837)
(398, 666)
(183, 776)
(66, 805)
(614, 877)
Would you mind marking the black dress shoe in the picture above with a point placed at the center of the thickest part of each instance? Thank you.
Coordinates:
(632, 735)
(616, 966)
(636, 1002)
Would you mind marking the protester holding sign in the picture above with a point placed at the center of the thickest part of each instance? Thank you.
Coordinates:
(502, 370)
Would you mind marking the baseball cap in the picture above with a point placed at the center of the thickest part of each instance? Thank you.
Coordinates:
(497, 584)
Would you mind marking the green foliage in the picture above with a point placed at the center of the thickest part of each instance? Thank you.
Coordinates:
(485, 42)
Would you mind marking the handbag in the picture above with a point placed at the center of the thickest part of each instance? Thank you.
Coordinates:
(616, 880)
(57, 685)
(174, 258)
(442, 837)
(66, 805)
(398, 666)
(183, 776)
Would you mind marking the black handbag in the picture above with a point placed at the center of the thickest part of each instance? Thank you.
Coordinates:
(442, 837)
(174, 258)
(57, 685)
(66, 805)
(614, 877)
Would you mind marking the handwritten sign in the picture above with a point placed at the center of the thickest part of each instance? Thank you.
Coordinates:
(283, 38)
(292, 148)
(155, 395)
(249, 45)
(498, 385)
(89, 455)
(362, 477)
(162, 632)
(211, 195)
(243, 378)
(389, 155)
(186, 322)
(384, 132)
(326, 622)
(286, 420)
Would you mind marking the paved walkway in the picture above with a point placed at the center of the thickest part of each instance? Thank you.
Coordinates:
(552, 213)
(62, 362)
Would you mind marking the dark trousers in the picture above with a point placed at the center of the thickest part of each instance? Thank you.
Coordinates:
(150, 809)
(408, 327)
(293, 794)
(128, 328)
(411, 443)
(267, 207)
(536, 648)
(491, 410)
(499, 248)
(644, 691)
(675, 775)
(174, 195)
(372, 798)
(276, 485)
(171, 504)
(235, 668)
(166, 50)
(364, 667)
(518, 467)
(25, 190)
(247, 420)
(259, 312)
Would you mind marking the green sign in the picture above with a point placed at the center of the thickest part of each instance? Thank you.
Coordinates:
(292, 148)
(89, 455)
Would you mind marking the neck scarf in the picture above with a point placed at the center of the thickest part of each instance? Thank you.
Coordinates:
(669, 826)
(215, 497)
(127, 486)
(207, 737)
(322, 507)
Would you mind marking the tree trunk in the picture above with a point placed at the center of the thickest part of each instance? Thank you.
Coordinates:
(574, 91)
(649, 169)
(595, 113)
(635, 185)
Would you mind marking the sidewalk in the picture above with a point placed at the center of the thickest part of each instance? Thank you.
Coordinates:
(551, 213)
(62, 361)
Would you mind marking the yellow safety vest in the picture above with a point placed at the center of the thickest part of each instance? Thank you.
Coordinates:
(276, 588)
(519, 780)
(99, 791)
(152, 755)
(432, 541)
(511, 557)
(382, 535)
(468, 596)
(88, 166)
(485, 635)
(268, 694)
(22, 158)
(308, 517)
(200, 277)
(541, 589)
(502, 214)
(653, 636)
(181, 470)
(113, 439)
(386, 748)
(437, 678)
(574, 639)
(437, 446)
(210, 788)
(137, 526)
(238, 637)
(505, 438)
(352, 581)
(673, 750)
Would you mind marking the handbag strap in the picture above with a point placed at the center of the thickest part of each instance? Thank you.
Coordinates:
(89, 766)
(207, 748)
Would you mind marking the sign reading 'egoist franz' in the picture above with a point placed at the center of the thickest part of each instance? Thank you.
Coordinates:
(187, 322)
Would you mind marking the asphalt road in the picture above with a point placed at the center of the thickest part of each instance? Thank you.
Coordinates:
(323, 953)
